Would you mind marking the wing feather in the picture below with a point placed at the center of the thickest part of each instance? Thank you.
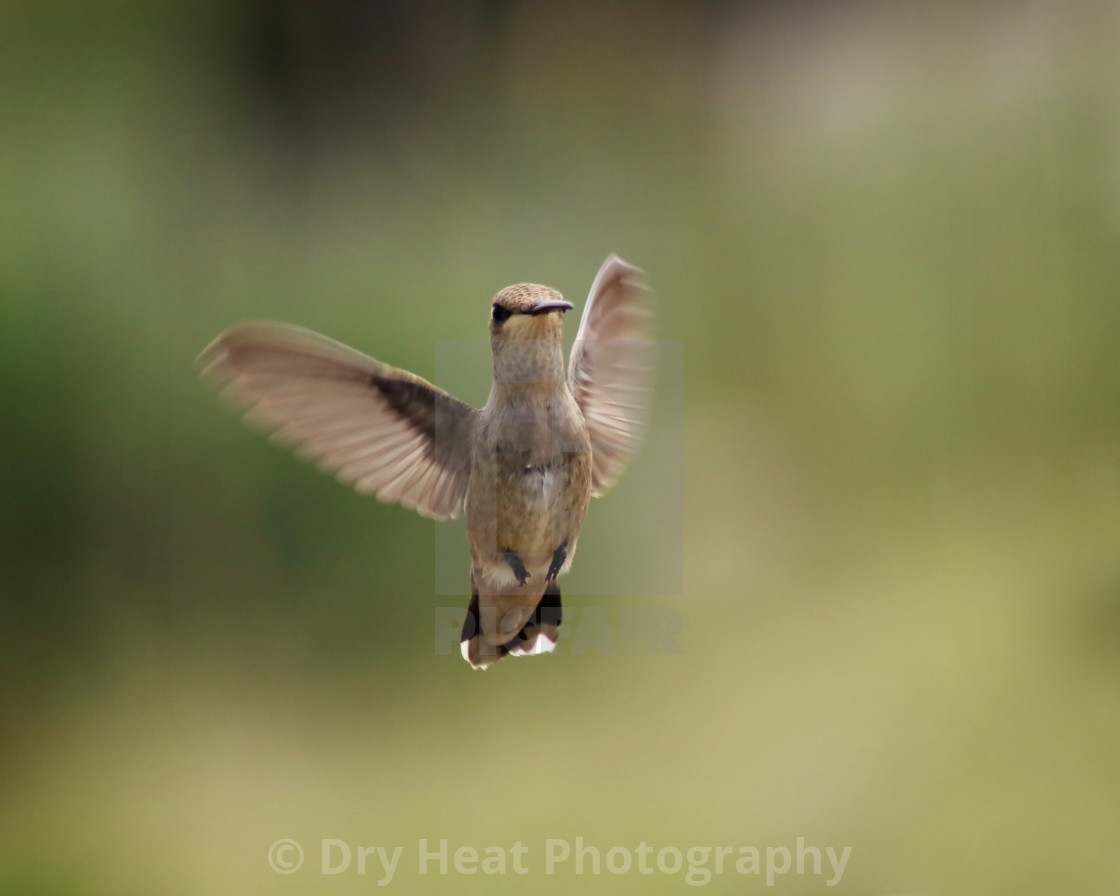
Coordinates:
(611, 368)
(383, 430)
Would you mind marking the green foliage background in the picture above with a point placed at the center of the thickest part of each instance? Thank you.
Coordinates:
(887, 241)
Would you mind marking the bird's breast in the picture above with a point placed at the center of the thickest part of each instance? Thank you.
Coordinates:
(530, 483)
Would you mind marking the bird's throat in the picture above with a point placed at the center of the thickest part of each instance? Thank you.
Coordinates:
(529, 368)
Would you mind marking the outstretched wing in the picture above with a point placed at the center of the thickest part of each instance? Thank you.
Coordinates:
(611, 369)
(382, 430)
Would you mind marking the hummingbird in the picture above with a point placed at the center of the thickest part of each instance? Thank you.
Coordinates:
(523, 468)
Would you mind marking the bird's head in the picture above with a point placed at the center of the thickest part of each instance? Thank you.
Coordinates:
(526, 329)
(528, 311)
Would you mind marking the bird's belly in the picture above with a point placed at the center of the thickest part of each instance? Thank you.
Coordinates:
(529, 512)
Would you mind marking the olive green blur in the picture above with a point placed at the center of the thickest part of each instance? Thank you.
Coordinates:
(885, 240)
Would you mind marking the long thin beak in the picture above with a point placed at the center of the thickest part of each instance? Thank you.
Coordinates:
(545, 307)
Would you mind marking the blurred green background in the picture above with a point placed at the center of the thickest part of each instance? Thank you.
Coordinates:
(886, 238)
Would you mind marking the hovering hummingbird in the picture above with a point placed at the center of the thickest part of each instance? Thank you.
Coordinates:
(524, 467)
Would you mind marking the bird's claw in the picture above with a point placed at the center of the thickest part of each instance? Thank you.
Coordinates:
(558, 558)
(518, 567)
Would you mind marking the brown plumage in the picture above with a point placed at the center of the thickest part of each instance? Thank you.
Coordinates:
(524, 466)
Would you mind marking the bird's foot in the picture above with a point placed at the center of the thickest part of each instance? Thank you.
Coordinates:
(518, 567)
(558, 558)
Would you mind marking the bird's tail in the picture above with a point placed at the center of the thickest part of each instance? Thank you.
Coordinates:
(535, 626)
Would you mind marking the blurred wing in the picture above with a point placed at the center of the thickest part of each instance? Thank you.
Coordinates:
(611, 370)
(382, 430)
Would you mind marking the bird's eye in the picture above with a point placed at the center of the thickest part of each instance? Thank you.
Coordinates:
(501, 314)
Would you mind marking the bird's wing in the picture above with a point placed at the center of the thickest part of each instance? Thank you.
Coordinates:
(382, 430)
(611, 369)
